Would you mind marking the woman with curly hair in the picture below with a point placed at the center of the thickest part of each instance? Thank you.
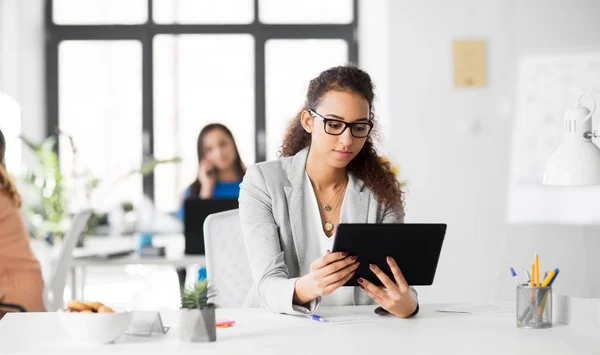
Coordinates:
(20, 275)
(329, 173)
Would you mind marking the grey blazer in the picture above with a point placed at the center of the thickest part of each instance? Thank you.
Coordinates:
(271, 215)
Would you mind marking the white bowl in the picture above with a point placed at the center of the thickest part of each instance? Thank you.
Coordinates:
(95, 328)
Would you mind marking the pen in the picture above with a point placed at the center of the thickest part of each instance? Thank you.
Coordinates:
(556, 271)
(514, 275)
(537, 270)
(317, 318)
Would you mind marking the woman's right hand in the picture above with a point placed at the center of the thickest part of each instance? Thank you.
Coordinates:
(327, 274)
(207, 178)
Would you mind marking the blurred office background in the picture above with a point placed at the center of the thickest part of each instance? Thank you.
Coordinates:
(131, 80)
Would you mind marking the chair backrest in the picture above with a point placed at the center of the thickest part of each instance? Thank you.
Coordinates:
(227, 266)
(58, 278)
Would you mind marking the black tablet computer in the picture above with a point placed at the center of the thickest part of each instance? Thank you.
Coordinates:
(415, 247)
(195, 212)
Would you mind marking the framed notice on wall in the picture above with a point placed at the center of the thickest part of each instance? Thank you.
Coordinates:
(469, 63)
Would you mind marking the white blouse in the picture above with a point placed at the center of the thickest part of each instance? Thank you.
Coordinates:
(319, 243)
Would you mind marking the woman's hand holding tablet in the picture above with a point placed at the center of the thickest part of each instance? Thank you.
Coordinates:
(327, 274)
(396, 296)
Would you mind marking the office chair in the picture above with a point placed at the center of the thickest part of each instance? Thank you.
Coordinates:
(227, 265)
(53, 299)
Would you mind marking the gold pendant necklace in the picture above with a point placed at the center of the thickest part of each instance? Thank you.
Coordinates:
(327, 206)
(328, 225)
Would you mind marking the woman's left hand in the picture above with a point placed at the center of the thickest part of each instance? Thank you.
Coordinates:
(396, 298)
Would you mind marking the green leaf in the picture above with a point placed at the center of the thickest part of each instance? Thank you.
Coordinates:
(149, 166)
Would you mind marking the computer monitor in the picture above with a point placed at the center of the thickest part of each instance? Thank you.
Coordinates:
(195, 212)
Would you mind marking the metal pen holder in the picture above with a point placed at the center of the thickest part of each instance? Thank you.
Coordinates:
(534, 307)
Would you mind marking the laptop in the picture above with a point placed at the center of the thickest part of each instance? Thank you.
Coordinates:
(195, 212)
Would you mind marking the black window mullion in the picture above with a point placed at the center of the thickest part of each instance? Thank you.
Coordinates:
(260, 99)
(51, 75)
(148, 109)
(148, 102)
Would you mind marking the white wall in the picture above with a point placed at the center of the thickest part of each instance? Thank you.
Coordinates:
(454, 173)
(22, 61)
(453, 144)
(374, 57)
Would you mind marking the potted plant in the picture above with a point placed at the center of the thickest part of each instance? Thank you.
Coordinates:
(48, 193)
(197, 315)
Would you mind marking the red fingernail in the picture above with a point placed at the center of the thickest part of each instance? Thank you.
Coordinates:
(389, 259)
(372, 266)
(353, 258)
(328, 251)
(344, 254)
(360, 281)
(361, 286)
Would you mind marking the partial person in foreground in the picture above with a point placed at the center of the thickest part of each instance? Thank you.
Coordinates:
(329, 173)
(20, 275)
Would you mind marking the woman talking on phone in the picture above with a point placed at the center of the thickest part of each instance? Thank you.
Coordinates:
(329, 173)
(220, 170)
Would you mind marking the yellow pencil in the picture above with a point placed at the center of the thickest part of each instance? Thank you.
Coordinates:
(537, 270)
(532, 280)
(548, 278)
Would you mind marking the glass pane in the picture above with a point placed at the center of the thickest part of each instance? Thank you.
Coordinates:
(100, 106)
(199, 79)
(10, 124)
(203, 11)
(286, 88)
(100, 12)
(305, 11)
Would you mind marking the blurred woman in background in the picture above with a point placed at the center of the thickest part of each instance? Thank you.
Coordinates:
(220, 170)
(20, 275)
(220, 167)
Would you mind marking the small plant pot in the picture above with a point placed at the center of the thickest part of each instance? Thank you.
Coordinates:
(198, 325)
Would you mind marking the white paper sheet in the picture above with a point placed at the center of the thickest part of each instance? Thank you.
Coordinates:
(504, 309)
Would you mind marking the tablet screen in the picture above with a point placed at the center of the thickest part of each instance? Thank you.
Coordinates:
(415, 247)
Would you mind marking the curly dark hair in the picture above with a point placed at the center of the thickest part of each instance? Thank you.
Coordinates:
(368, 166)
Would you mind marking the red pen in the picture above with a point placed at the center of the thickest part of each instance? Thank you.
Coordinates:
(225, 323)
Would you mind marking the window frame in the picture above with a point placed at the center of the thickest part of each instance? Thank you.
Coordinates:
(145, 32)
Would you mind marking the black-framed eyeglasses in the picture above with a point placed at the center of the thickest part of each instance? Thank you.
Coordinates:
(337, 127)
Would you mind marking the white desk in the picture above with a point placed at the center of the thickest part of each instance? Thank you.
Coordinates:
(260, 332)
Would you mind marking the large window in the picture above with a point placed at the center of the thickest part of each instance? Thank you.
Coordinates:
(130, 79)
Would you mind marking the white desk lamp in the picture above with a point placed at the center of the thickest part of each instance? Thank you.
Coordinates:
(577, 161)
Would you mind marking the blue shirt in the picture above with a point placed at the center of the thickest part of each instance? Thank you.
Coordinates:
(223, 189)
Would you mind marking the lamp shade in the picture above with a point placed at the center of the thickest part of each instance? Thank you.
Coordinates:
(577, 161)
(574, 164)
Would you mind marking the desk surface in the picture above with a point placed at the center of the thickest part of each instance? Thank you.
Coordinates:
(258, 331)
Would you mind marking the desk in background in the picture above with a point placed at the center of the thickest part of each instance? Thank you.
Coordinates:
(258, 331)
(102, 245)
(174, 247)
